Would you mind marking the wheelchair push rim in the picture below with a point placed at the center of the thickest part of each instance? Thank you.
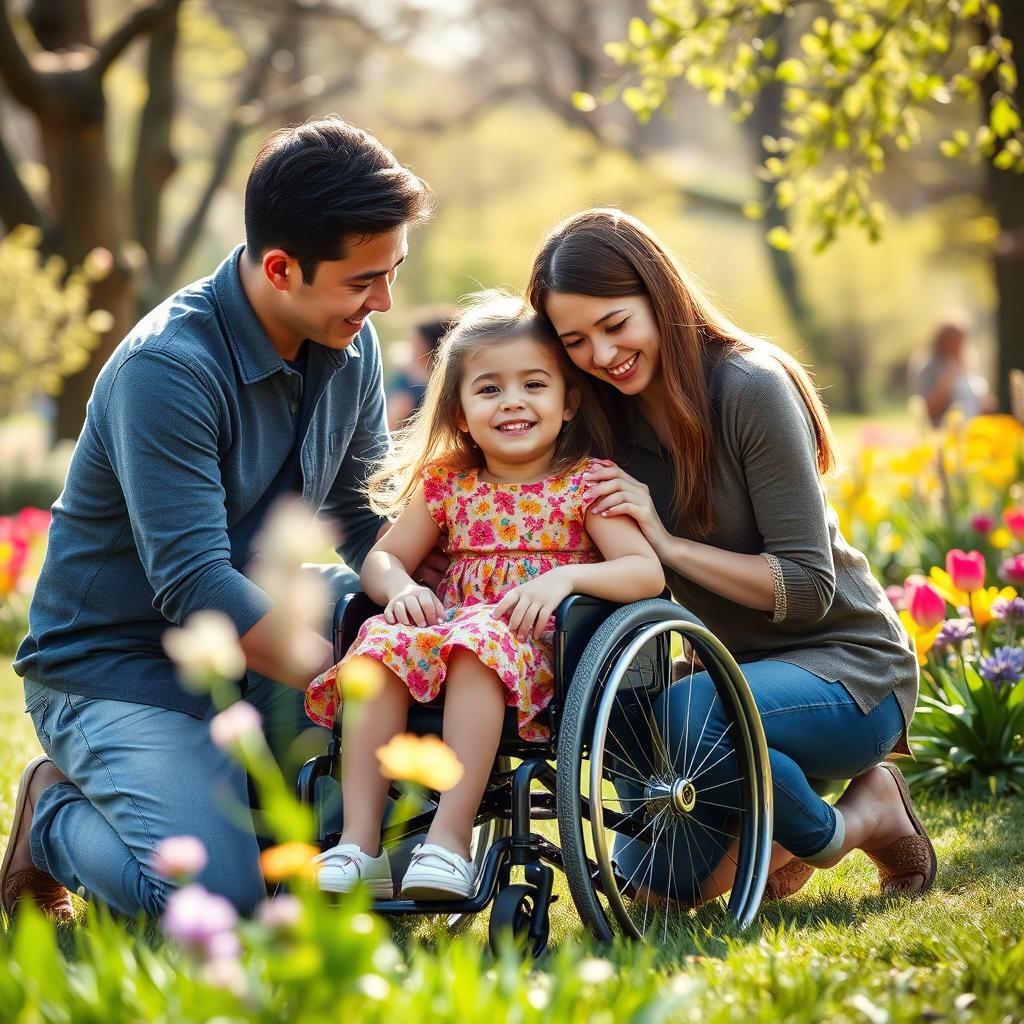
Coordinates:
(667, 796)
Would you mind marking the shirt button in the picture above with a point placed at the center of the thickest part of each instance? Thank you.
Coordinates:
(294, 407)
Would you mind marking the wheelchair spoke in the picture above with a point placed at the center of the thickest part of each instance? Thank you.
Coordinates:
(684, 739)
(696, 749)
(692, 772)
(710, 766)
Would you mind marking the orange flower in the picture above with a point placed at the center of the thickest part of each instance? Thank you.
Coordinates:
(529, 506)
(425, 760)
(289, 860)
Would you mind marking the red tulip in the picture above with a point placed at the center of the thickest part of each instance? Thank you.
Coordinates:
(925, 604)
(1014, 519)
(981, 523)
(967, 569)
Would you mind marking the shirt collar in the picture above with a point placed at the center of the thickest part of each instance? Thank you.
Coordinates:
(257, 357)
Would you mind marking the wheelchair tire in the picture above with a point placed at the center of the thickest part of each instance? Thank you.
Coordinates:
(512, 913)
(624, 666)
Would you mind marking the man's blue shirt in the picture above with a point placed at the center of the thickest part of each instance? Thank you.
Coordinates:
(189, 426)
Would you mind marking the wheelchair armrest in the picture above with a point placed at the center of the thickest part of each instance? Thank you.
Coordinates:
(351, 611)
(576, 620)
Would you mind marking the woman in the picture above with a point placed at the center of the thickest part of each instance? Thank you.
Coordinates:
(725, 442)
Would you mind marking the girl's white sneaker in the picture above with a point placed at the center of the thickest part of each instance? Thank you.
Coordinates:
(438, 874)
(344, 866)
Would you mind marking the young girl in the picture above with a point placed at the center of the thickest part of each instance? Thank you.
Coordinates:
(493, 463)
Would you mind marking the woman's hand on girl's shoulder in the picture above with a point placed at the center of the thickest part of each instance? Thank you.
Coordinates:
(414, 606)
(611, 491)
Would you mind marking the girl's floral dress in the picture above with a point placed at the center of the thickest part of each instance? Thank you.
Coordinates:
(499, 535)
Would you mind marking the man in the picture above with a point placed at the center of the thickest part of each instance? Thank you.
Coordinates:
(262, 379)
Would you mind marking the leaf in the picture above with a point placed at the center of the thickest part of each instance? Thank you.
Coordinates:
(1004, 119)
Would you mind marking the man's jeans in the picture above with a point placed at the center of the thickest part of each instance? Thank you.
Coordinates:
(140, 774)
(815, 732)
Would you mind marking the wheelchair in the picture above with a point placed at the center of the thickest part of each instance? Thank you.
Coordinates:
(611, 663)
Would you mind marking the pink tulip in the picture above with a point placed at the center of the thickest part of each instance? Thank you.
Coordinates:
(926, 605)
(1012, 570)
(897, 597)
(1014, 519)
(982, 523)
(967, 569)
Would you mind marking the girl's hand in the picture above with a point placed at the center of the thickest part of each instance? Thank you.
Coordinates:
(528, 607)
(414, 606)
(611, 491)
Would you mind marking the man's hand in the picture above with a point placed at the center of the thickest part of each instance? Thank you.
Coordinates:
(528, 607)
(431, 570)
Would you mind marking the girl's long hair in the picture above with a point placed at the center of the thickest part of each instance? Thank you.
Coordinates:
(433, 438)
(608, 254)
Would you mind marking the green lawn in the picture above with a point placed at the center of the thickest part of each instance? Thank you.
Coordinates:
(837, 951)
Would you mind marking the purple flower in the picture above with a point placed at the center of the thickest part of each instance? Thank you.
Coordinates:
(1006, 665)
(201, 922)
(953, 633)
(179, 857)
(281, 914)
(1008, 609)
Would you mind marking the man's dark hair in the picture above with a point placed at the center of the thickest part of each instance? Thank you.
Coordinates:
(316, 186)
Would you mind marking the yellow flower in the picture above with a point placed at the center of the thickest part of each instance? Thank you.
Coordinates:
(529, 506)
(289, 860)
(1000, 539)
(913, 462)
(891, 542)
(923, 639)
(869, 509)
(360, 678)
(943, 583)
(981, 603)
(425, 760)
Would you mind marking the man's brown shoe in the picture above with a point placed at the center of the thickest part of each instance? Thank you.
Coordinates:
(19, 877)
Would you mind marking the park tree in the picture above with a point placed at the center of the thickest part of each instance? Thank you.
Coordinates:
(835, 89)
(228, 72)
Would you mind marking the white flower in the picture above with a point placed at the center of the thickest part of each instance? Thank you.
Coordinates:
(291, 535)
(233, 724)
(205, 650)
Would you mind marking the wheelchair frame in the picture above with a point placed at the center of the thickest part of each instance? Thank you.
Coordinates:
(592, 638)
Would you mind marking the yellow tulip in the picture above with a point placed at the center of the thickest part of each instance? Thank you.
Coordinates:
(981, 603)
(943, 583)
(923, 640)
(425, 760)
(287, 861)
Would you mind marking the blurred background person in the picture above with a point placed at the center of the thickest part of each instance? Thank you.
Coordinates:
(406, 388)
(945, 376)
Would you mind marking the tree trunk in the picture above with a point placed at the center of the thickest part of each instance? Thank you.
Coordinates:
(1006, 190)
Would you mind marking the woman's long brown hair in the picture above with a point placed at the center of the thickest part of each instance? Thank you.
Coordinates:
(433, 438)
(608, 254)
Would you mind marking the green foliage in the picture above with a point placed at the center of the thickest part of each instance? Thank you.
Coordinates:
(863, 78)
(46, 328)
(967, 733)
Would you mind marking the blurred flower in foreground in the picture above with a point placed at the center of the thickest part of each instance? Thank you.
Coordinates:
(360, 678)
(281, 914)
(179, 857)
(205, 650)
(288, 861)
(201, 922)
(425, 760)
(234, 723)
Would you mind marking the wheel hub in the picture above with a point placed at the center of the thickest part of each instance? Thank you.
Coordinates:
(678, 796)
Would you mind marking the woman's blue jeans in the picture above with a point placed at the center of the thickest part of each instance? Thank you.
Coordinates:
(816, 733)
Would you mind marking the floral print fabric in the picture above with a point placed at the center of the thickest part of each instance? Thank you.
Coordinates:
(499, 536)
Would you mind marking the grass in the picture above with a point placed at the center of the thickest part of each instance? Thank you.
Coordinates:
(836, 951)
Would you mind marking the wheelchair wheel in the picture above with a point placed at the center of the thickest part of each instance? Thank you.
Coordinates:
(514, 912)
(658, 829)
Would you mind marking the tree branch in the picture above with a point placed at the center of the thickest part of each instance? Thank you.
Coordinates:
(240, 121)
(16, 205)
(27, 85)
(139, 21)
